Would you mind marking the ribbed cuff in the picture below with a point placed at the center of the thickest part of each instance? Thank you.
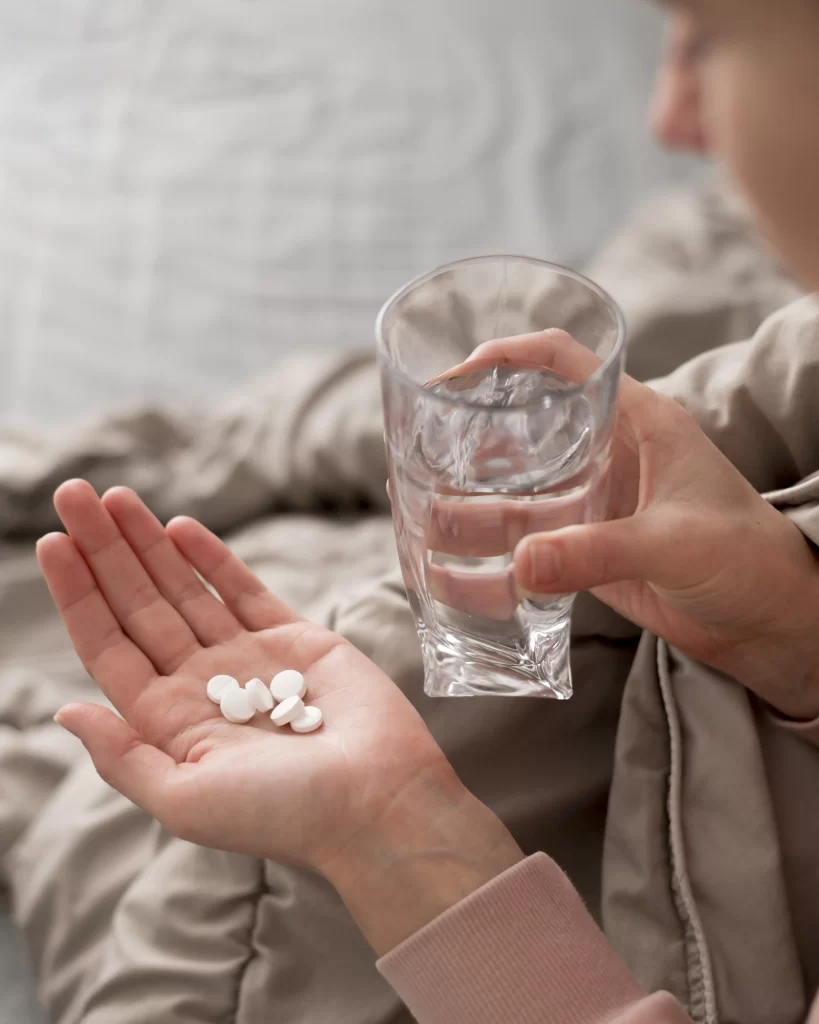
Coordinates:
(521, 949)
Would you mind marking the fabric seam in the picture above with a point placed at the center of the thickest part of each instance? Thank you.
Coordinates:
(698, 961)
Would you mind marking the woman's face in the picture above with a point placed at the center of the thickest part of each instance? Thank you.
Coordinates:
(745, 85)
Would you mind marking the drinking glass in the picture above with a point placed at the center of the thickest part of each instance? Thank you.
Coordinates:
(484, 449)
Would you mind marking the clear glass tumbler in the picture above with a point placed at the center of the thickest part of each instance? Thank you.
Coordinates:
(485, 449)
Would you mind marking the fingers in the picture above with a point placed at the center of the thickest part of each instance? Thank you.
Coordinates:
(556, 350)
(140, 772)
(542, 349)
(488, 595)
(172, 573)
(242, 591)
(549, 350)
(478, 530)
(553, 349)
(585, 557)
(118, 665)
(491, 527)
(154, 625)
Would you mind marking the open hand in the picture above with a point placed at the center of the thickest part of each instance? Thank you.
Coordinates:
(152, 635)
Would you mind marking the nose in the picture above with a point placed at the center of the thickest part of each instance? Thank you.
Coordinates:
(676, 116)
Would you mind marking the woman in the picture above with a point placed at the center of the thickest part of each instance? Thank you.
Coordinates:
(432, 877)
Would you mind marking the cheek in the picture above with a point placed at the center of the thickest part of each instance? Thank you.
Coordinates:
(737, 111)
(761, 116)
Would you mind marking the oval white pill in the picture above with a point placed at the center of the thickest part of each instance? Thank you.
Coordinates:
(219, 685)
(288, 684)
(237, 707)
(259, 695)
(308, 721)
(288, 710)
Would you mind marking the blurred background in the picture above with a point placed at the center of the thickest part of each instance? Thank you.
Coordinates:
(188, 191)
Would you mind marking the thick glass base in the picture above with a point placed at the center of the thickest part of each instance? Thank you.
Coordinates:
(458, 664)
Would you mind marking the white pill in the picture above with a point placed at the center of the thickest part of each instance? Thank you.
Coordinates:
(288, 710)
(219, 685)
(237, 707)
(308, 721)
(259, 695)
(288, 684)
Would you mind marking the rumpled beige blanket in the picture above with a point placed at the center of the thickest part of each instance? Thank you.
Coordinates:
(127, 924)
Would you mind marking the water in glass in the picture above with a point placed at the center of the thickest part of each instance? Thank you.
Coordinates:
(506, 452)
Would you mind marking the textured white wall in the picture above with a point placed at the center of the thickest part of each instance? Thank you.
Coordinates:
(189, 189)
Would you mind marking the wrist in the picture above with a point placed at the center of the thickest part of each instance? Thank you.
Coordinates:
(779, 660)
(433, 847)
(783, 670)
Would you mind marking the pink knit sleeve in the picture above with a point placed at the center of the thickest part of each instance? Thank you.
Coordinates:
(521, 950)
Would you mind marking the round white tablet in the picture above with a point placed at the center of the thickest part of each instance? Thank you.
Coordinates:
(219, 685)
(308, 721)
(259, 695)
(288, 684)
(288, 710)
(237, 707)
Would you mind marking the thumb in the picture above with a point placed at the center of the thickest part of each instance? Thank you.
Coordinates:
(581, 558)
(139, 771)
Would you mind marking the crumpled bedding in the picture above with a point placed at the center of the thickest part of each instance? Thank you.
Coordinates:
(126, 924)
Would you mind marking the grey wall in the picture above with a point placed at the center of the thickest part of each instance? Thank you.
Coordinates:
(189, 190)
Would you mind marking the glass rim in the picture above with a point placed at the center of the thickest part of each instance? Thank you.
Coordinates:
(571, 391)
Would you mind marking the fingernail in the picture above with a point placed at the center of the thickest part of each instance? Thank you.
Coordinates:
(59, 718)
(544, 563)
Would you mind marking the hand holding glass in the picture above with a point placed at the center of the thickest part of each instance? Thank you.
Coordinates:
(488, 441)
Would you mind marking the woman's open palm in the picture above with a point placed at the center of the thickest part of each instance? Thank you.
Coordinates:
(152, 635)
